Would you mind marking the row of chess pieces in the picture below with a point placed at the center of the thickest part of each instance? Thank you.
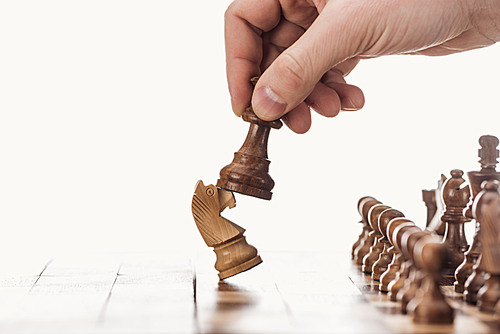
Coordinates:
(412, 263)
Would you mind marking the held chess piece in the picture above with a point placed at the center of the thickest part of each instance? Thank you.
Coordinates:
(366, 227)
(249, 172)
(385, 258)
(456, 195)
(377, 247)
(365, 244)
(390, 274)
(429, 305)
(234, 254)
(486, 209)
(488, 155)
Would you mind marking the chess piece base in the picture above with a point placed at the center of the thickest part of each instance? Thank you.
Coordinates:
(240, 268)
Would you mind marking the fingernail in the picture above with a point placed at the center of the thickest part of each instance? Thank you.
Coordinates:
(268, 104)
(349, 105)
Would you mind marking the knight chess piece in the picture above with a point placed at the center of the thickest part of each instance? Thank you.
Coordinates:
(248, 173)
(434, 203)
(234, 254)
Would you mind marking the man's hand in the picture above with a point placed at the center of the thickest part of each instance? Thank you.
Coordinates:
(303, 49)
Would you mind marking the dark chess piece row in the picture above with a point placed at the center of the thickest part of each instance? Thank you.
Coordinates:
(409, 262)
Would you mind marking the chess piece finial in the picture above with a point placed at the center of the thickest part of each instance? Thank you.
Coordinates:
(456, 195)
(234, 254)
(429, 305)
(249, 172)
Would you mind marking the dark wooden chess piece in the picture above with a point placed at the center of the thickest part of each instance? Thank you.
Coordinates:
(488, 155)
(234, 254)
(486, 209)
(429, 305)
(385, 258)
(367, 243)
(390, 274)
(377, 247)
(456, 195)
(399, 282)
(433, 200)
(409, 291)
(366, 228)
(249, 172)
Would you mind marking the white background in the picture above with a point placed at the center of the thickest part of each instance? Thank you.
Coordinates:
(110, 111)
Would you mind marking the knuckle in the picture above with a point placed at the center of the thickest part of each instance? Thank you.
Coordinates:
(293, 71)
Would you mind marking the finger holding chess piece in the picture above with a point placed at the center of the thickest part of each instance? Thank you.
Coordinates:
(234, 254)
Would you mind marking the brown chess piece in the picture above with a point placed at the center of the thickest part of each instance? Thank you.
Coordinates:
(377, 247)
(366, 229)
(249, 172)
(488, 155)
(456, 195)
(434, 203)
(385, 258)
(390, 274)
(475, 282)
(234, 254)
(409, 291)
(429, 305)
(486, 209)
(399, 281)
(365, 245)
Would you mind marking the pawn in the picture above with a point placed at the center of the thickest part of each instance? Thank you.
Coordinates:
(455, 196)
(430, 306)
(409, 291)
(366, 228)
(390, 274)
(475, 282)
(486, 209)
(385, 258)
(399, 281)
(377, 247)
(365, 244)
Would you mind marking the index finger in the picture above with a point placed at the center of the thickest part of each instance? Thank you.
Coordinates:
(245, 21)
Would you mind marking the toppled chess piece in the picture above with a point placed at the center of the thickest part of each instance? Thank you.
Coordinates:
(249, 172)
(234, 254)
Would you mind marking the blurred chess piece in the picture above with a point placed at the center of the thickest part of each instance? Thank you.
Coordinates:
(366, 228)
(365, 244)
(434, 203)
(234, 254)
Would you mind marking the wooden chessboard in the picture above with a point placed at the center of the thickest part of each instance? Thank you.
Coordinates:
(290, 292)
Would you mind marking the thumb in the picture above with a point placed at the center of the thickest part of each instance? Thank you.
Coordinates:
(293, 75)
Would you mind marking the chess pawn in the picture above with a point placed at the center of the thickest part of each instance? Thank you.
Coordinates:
(402, 276)
(390, 274)
(234, 254)
(365, 244)
(455, 196)
(475, 282)
(486, 209)
(249, 172)
(366, 228)
(385, 258)
(488, 155)
(429, 306)
(377, 247)
(408, 292)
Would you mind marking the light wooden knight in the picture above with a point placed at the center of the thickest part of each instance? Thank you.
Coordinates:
(234, 254)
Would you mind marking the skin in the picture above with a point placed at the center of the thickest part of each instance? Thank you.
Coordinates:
(304, 49)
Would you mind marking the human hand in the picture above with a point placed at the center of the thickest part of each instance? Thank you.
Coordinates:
(303, 49)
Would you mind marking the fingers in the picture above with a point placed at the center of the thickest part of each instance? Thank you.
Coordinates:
(244, 23)
(293, 75)
(298, 119)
